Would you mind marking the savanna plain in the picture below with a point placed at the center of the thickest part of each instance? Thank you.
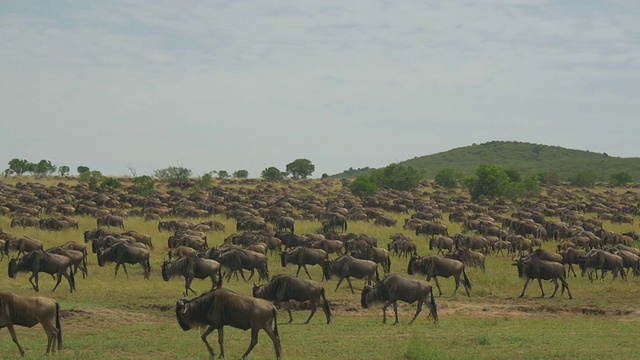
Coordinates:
(133, 318)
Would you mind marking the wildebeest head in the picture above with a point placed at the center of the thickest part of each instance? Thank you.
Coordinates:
(165, 267)
(365, 298)
(523, 264)
(182, 315)
(12, 267)
(283, 258)
(102, 254)
(326, 268)
(258, 291)
(412, 262)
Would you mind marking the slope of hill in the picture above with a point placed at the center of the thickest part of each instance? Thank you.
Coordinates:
(527, 158)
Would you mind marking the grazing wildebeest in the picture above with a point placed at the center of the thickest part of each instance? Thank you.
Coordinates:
(433, 266)
(28, 311)
(110, 220)
(221, 307)
(39, 261)
(433, 228)
(25, 221)
(532, 267)
(396, 287)
(347, 266)
(285, 287)
(386, 221)
(184, 239)
(99, 233)
(285, 223)
(192, 267)
(302, 257)
(122, 254)
(23, 244)
(501, 245)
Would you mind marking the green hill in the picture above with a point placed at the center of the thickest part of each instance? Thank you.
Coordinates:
(529, 159)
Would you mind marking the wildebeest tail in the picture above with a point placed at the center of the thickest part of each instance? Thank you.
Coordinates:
(434, 308)
(326, 306)
(58, 327)
(345, 225)
(219, 284)
(388, 264)
(466, 279)
(377, 275)
(275, 321)
(72, 278)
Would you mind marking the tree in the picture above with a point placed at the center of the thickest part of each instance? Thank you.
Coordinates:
(324, 176)
(272, 174)
(447, 178)
(143, 185)
(64, 170)
(44, 168)
(584, 179)
(241, 174)
(92, 177)
(537, 149)
(514, 175)
(300, 168)
(490, 182)
(112, 183)
(363, 187)
(548, 177)
(205, 181)
(173, 173)
(397, 177)
(620, 178)
(19, 166)
(82, 169)
(223, 174)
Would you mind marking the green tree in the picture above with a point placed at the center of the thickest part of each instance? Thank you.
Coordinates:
(173, 173)
(537, 149)
(397, 177)
(44, 168)
(82, 169)
(363, 187)
(241, 174)
(92, 177)
(205, 181)
(111, 183)
(491, 182)
(548, 177)
(223, 174)
(584, 179)
(300, 168)
(143, 185)
(620, 178)
(514, 175)
(19, 166)
(64, 170)
(324, 176)
(447, 178)
(272, 174)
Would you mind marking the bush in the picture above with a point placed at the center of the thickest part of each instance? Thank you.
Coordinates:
(491, 181)
(584, 179)
(273, 174)
(397, 177)
(447, 178)
(143, 185)
(241, 174)
(92, 178)
(620, 178)
(363, 187)
(173, 173)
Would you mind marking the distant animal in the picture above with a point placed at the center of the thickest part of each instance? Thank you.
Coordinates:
(122, 254)
(347, 266)
(23, 244)
(285, 287)
(221, 307)
(433, 266)
(110, 220)
(302, 257)
(39, 261)
(192, 267)
(286, 223)
(396, 287)
(28, 311)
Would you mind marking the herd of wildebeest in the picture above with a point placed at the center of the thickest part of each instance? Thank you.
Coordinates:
(265, 216)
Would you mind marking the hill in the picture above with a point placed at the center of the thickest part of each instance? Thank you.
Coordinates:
(527, 158)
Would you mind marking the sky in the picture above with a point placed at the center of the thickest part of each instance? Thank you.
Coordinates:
(227, 85)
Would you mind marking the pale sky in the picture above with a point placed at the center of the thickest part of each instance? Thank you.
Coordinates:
(228, 85)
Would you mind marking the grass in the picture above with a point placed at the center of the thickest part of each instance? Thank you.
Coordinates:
(133, 318)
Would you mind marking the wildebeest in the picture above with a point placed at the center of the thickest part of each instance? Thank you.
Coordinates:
(334, 220)
(39, 261)
(25, 221)
(192, 267)
(572, 256)
(302, 257)
(375, 254)
(184, 239)
(141, 238)
(330, 246)
(604, 261)
(441, 243)
(78, 259)
(28, 311)
(221, 307)
(110, 220)
(468, 257)
(285, 287)
(347, 266)
(433, 266)
(396, 287)
(290, 240)
(532, 267)
(181, 251)
(286, 223)
(433, 228)
(237, 259)
(122, 254)
(23, 244)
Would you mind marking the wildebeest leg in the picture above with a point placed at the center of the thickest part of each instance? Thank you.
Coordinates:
(339, 282)
(384, 311)
(417, 311)
(59, 281)
(306, 270)
(254, 341)
(34, 284)
(204, 338)
(435, 278)
(350, 286)
(274, 337)
(526, 283)
(571, 270)
(298, 272)
(51, 334)
(541, 289)
(12, 331)
(565, 285)
(187, 286)
(395, 310)
(313, 305)
(555, 282)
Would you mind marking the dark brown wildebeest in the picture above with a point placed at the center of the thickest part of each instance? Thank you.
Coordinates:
(192, 267)
(221, 307)
(432, 229)
(285, 287)
(302, 257)
(28, 311)
(214, 225)
(291, 240)
(2, 242)
(78, 259)
(183, 239)
(39, 261)
(110, 220)
(285, 223)
(25, 221)
(468, 257)
(22, 245)
(386, 221)
(501, 245)
(123, 253)
(377, 255)
(433, 266)
(330, 246)
(181, 251)
(396, 287)
(252, 223)
(603, 261)
(334, 220)
(53, 224)
(572, 256)
(347, 266)
(441, 243)
(141, 238)
(238, 259)
(630, 261)
(531, 267)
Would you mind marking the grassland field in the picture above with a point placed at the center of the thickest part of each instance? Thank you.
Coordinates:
(133, 318)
